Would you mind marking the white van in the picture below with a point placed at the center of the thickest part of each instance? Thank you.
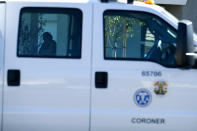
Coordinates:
(95, 66)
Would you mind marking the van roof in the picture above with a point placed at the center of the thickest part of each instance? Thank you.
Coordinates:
(84, 1)
(135, 3)
(70, 1)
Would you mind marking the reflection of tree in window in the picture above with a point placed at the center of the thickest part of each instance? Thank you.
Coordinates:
(117, 30)
(31, 27)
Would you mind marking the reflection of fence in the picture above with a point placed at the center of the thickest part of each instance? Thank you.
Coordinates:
(114, 49)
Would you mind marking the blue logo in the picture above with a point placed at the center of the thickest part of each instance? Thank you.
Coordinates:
(142, 97)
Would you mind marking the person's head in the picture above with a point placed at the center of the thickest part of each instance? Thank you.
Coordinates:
(47, 36)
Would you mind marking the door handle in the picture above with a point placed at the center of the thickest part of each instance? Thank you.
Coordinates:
(13, 77)
(101, 79)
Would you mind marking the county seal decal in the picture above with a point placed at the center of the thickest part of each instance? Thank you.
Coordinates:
(142, 97)
(160, 88)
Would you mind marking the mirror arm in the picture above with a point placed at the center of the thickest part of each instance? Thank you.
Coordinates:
(194, 54)
(195, 51)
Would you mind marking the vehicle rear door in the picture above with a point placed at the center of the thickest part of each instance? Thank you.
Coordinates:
(137, 84)
(47, 66)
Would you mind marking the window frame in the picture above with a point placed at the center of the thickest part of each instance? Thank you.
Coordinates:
(52, 10)
(133, 59)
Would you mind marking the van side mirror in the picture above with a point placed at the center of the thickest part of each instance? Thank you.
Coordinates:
(185, 44)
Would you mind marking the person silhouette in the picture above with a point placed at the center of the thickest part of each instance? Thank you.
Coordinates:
(48, 47)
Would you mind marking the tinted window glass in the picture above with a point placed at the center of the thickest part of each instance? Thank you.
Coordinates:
(50, 32)
(138, 36)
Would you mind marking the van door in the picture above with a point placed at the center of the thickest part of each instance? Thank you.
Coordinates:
(47, 67)
(2, 36)
(137, 83)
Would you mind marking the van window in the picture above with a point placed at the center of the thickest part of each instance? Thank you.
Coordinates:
(50, 32)
(138, 36)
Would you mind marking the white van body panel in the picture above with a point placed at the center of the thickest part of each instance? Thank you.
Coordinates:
(113, 108)
(172, 20)
(54, 94)
(60, 94)
(2, 40)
